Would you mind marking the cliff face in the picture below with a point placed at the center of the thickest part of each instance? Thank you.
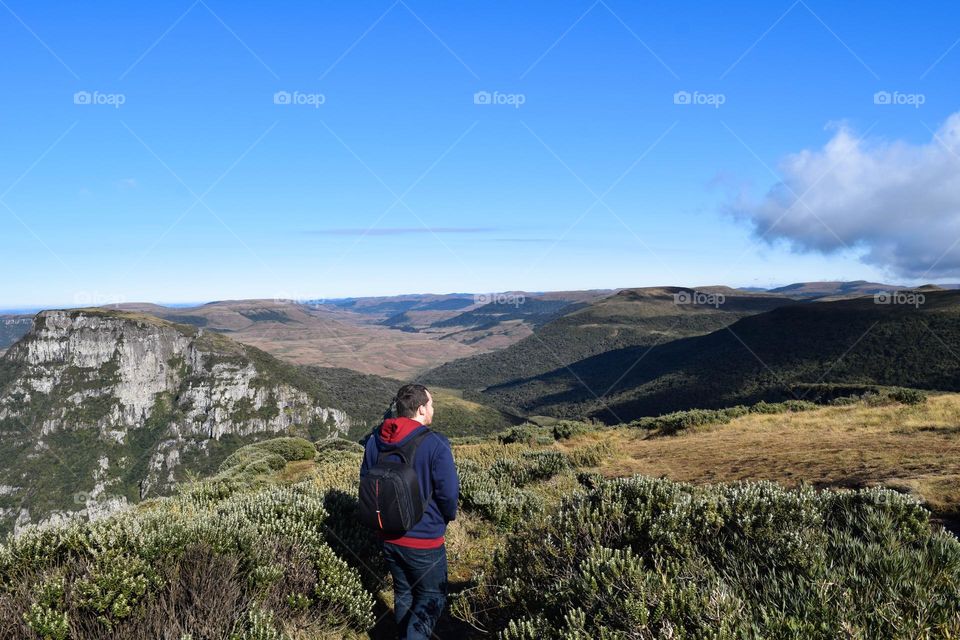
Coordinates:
(98, 409)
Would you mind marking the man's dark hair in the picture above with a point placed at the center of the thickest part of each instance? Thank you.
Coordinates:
(409, 398)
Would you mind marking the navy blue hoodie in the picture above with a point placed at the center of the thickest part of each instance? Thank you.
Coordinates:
(436, 473)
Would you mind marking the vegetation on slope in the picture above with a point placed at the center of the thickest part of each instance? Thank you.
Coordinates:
(763, 357)
(544, 546)
(648, 558)
(631, 318)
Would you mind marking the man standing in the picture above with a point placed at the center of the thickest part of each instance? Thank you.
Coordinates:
(418, 558)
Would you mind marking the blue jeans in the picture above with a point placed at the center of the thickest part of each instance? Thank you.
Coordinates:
(419, 588)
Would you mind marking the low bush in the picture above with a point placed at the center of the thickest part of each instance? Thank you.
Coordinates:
(908, 396)
(266, 456)
(215, 559)
(337, 444)
(566, 429)
(691, 419)
(527, 433)
(646, 558)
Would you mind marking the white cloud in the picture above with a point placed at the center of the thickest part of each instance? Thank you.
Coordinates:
(896, 203)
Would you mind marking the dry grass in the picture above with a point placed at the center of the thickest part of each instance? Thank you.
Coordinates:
(330, 337)
(912, 448)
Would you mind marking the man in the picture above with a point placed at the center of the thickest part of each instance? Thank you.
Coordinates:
(418, 558)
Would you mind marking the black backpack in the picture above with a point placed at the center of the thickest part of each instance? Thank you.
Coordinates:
(390, 491)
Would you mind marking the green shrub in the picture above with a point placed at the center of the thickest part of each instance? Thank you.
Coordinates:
(266, 456)
(211, 553)
(336, 449)
(908, 396)
(648, 558)
(566, 429)
(337, 444)
(691, 419)
(290, 448)
(527, 433)
(495, 493)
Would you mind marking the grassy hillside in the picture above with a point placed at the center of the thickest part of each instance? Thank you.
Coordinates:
(532, 310)
(832, 288)
(549, 541)
(632, 317)
(775, 355)
(371, 396)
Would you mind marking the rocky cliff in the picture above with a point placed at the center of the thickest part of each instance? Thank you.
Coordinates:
(101, 408)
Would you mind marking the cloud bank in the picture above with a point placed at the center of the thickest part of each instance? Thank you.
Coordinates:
(895, 202)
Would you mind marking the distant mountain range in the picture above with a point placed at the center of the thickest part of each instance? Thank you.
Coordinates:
(362, 332)
(135, 398)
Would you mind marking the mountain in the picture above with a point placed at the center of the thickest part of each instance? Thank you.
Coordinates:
(97, 402)
(794, 351)
(103, 407)
(834, 288)
(630, 318)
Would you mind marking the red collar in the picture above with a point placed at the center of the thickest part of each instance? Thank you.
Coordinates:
(396, 429)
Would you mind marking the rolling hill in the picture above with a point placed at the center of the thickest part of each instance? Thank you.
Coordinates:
(791, 351)
(630, 318)
(833, 288)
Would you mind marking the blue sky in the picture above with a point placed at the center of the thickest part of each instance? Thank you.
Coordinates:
(385, 176)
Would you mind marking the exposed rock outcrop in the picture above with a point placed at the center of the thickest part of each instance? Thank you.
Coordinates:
(101, 408)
